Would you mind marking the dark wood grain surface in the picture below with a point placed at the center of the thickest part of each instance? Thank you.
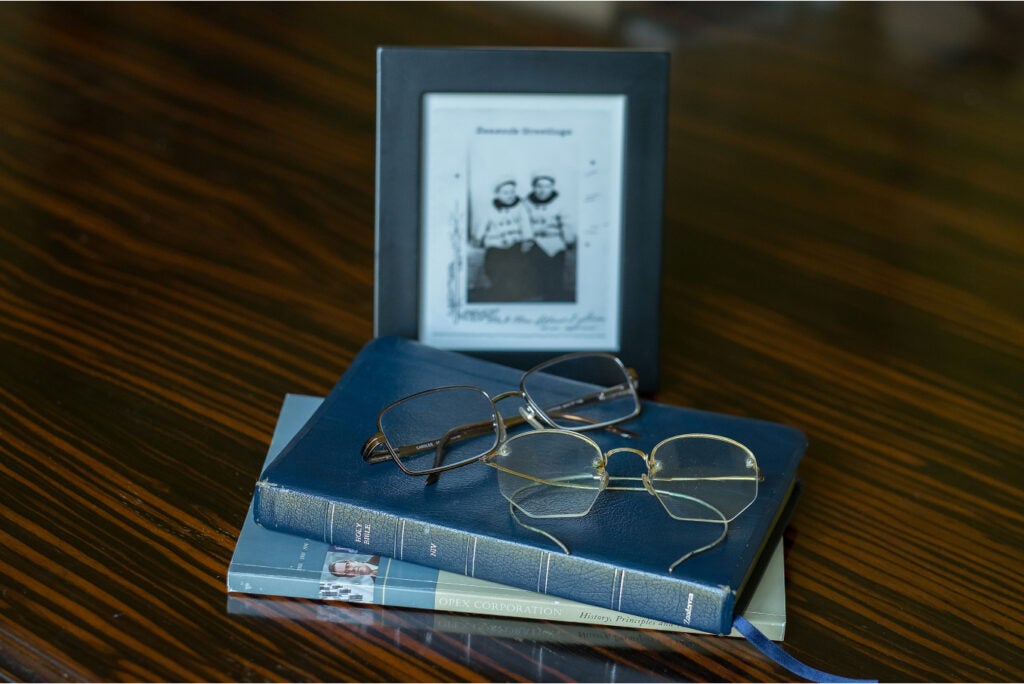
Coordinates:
(186, 212)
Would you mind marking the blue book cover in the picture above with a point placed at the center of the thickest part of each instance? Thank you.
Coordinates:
(320, 487)
(278, 564)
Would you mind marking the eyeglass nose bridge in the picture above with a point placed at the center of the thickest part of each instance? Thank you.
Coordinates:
(629, 450)
(508, 395)
(652, 466)
(526, 412)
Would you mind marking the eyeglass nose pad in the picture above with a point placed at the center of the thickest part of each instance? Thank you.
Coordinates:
(647, 485)
(530, 416)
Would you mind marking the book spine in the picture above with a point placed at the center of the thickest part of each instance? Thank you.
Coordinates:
(448, 594)
(541, 607)
(674, 600)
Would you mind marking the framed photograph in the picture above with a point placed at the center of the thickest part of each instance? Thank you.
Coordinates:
(519, 201)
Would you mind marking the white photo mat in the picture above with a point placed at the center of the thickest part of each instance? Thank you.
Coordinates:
(469, 141)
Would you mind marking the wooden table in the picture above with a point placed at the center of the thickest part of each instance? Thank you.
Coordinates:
(186, 194)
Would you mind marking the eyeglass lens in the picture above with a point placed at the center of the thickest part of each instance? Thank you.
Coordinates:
(549, 474)
(582, 392)
(695, 472)
(445, 427)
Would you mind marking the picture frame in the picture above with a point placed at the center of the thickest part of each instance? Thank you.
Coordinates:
(519, 200)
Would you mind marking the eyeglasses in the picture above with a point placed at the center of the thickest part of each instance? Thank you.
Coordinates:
(448, 427)
(560, 474)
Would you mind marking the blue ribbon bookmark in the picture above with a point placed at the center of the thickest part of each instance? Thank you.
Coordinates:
(773, 651)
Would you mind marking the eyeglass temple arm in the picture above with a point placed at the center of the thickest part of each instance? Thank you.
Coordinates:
(375, 449)
(464, 432)
(483, 427)
(454, 435)
(512, 510)
(613, 392)
(646, 487)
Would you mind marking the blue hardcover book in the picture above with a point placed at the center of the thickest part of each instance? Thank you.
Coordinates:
(320, 487)
(272, 563)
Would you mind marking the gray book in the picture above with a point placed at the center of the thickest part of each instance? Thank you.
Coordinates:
(276, 564)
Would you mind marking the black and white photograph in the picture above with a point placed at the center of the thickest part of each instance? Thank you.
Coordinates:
(348, 576)
(522, 236)
(521, 220)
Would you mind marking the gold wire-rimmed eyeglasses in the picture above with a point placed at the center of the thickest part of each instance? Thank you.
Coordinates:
(448, 427)
(560, 474)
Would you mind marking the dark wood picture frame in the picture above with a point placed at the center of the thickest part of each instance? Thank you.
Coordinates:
(637, 79)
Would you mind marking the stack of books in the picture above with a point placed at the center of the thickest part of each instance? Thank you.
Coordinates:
(325, 524)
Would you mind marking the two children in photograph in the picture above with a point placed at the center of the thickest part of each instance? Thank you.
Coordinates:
(527, 243)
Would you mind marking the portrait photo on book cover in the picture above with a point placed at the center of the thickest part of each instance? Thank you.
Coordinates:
(521, 220)
(348, 575)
